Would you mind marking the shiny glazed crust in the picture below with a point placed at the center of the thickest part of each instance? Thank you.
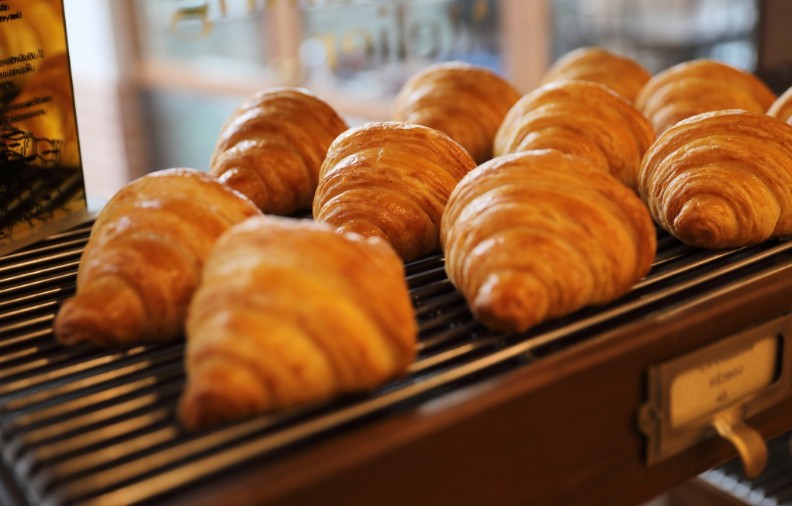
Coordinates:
(272, 145)
(144, 258)
(619, 73)
(580, 118)
(721, 179)
(698, 86)
(290, 312)
(537, 235)
(390, 180)
(464, 101)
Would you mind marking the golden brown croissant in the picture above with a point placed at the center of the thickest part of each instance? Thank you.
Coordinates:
(721, 179)
(390, 180)
(272, 145)
(619, 73)
(697, 86)
(537, 235)
(581, 118)
(291, 312)
(466, 102)
(144, 258)
(782, 107)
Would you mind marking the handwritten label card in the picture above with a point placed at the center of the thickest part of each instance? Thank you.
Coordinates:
(722, 380)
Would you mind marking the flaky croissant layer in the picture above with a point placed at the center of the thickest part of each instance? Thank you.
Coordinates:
(144, 258)
(721, 179)
(271, 147)
(290, 312)
(698, 86)
(390, 180)
(580, 118)
(623, 75)
(536, 235)
(466, 102)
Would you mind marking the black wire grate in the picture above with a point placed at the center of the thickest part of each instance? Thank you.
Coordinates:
(86, 426)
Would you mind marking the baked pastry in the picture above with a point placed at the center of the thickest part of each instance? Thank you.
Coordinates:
(623, 75)
(466, 102)
(272, 145)
(390, 180)
(697, 86)
(721, 179)
(290, 312)
(144, 258)
(537, 235)
(581, 118)
(782, 107)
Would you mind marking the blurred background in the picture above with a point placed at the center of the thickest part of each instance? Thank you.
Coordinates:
(155, 79)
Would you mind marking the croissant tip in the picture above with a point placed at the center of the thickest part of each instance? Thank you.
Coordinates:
(74, 326)
(710, 223)
(106, 320)
(197, 411)
(698, 234)
(203, 406)
(220, 389)
(509, 302)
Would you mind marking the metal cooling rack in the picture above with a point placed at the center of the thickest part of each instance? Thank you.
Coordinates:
(86, 426)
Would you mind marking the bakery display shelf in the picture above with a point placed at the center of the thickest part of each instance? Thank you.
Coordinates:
(89, 426)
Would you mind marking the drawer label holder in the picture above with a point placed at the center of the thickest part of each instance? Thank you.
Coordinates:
(712, 391)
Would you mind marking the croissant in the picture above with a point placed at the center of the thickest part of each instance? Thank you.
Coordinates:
(782, 107)
(623, 75)
(581, 118)
(697, 86)
(290, 312)
(271, 147)
(390, 180)
(721, 179)
(144, 257)
(537, 235)
(464, 101)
